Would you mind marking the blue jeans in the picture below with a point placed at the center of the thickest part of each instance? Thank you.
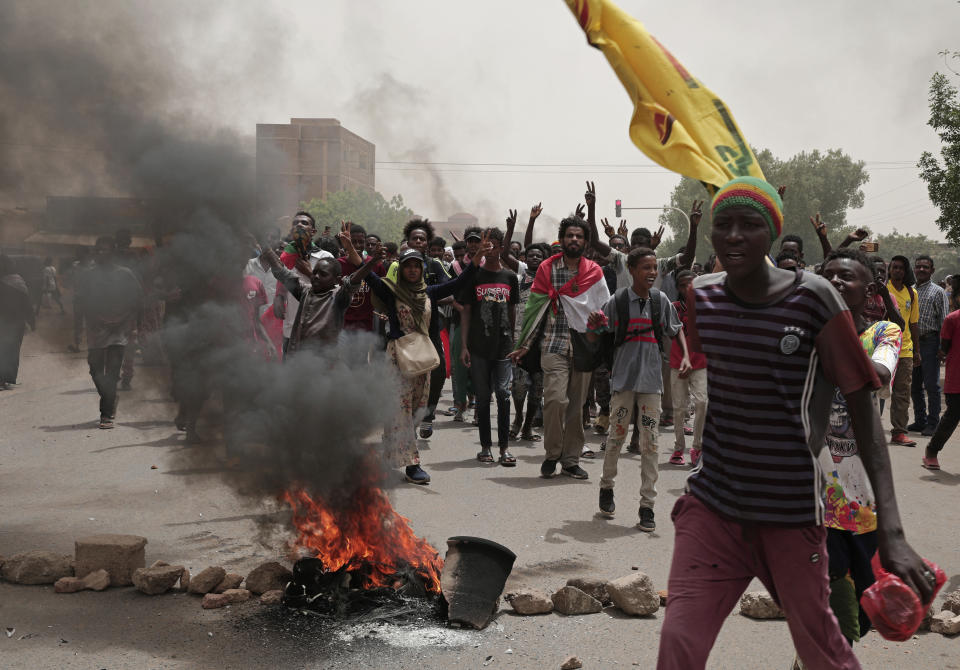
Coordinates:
(492, 376)
(926, 377)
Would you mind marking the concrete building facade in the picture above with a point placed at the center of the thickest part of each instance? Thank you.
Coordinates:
(455, 224)
(306, 159)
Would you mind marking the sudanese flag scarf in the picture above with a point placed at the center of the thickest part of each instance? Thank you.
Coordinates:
(586, 292)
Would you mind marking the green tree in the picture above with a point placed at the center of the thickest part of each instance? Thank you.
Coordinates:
(827, 182)
(943, 180)
(945, 258)
(366, 208)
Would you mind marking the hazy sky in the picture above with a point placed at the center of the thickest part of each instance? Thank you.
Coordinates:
(513, 85)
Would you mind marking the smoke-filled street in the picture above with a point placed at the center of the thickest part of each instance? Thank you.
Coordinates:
(553, 335)
(62, 478)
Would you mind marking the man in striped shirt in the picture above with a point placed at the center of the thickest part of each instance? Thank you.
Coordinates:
(777, 343)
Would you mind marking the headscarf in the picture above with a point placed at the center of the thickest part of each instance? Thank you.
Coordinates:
(413, 295)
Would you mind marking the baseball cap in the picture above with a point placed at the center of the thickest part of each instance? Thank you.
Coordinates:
(410, 254)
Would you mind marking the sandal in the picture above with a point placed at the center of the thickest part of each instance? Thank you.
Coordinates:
(587, 452)
(677, 458)
(530, 437)
(485, 456)
(507, 459)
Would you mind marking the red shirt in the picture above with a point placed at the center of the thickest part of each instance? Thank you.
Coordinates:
(359, 315)
(697, 360)
(951, 326)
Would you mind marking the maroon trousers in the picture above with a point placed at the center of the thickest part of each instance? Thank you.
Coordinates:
(714, 561)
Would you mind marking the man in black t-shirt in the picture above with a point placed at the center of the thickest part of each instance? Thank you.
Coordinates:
(488, 319)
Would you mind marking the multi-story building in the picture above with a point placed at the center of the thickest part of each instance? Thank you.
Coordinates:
(306, 159)
(456, 224)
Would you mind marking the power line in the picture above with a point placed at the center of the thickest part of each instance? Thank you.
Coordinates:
(900, 162)
(508, 171)
(908, 214)
(895, 188)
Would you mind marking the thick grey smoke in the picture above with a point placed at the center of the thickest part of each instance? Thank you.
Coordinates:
(93, 101)
(395, 130)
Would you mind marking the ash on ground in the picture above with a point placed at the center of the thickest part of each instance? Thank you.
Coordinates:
(412, 624)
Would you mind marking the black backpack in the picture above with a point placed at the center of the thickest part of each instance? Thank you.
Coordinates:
(610, 341)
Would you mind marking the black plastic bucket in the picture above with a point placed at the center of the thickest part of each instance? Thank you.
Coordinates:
(475, 571)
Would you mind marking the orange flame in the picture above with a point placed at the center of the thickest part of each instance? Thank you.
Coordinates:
(365, 533)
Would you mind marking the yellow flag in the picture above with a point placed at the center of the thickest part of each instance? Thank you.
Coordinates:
(677, 121)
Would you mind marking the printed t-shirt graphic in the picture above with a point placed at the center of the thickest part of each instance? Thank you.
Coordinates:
(490, 296)
(848, 497)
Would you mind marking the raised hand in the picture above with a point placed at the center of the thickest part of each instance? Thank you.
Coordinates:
(591, 195)
(344, 236)
(781, 190)
(486, 246)
(511, 219)
(656, 237)
(696, 212)
(859, 235)
(818, 225)
(579, 213)
(536, 211)
(622, 229)
(607, 228)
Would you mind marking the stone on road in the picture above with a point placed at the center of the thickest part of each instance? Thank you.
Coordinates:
(268, 577)
(155, 581)
(206, 580)
(634, 594)
(571, 600)
(119, 555)
(530, 601)
(37, 567)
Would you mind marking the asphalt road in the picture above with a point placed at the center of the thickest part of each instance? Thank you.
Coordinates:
(61, 478)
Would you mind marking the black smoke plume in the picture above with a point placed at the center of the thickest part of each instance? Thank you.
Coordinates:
(94, 101)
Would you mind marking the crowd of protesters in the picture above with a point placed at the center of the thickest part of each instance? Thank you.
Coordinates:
(761, 358)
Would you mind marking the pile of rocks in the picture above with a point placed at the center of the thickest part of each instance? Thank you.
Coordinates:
(947, 621)
(100, 561)
(220, 588)
(633, 594)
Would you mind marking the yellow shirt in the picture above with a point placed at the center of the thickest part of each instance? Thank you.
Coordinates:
(910, 311)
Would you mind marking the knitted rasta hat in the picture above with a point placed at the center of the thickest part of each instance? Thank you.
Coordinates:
(756, 194)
